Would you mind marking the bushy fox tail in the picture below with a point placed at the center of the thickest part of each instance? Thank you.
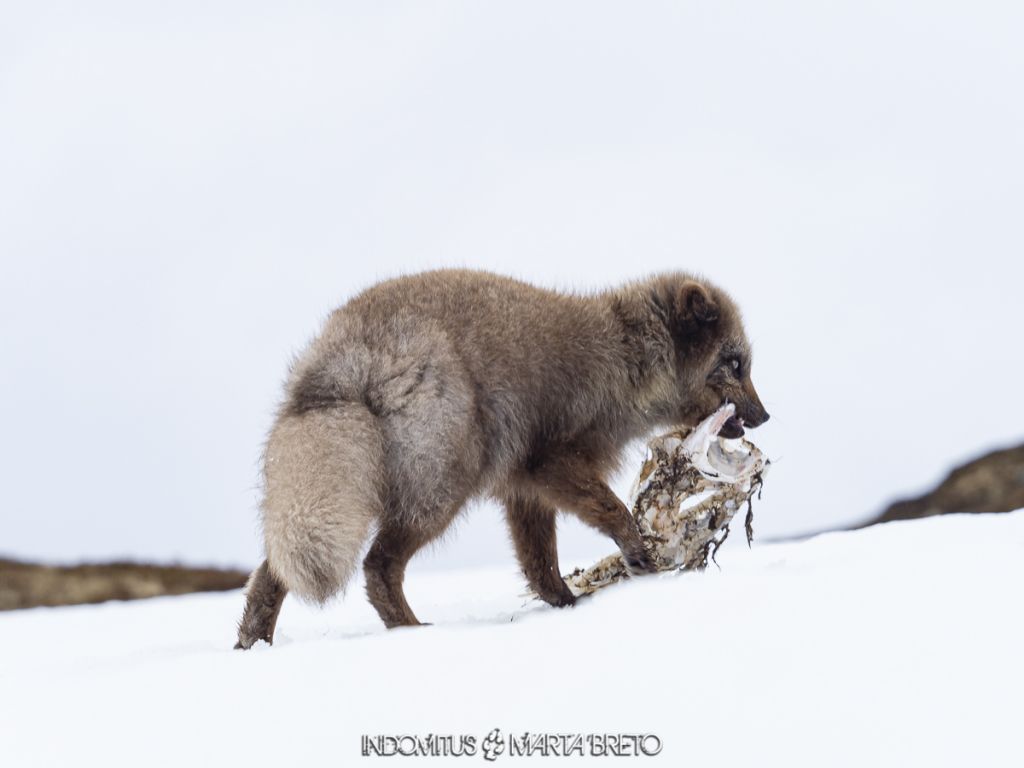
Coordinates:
(323, 476)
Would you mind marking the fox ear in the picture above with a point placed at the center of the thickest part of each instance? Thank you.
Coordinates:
(694, 301)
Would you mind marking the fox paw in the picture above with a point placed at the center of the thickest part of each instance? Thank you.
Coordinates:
(563, 598)
(245, 642)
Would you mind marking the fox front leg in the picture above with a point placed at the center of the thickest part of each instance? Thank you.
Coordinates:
(574, 485)
(531, 523)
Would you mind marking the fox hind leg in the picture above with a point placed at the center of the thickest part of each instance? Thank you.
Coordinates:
(384, 567)
(264, 595)
(397, 540)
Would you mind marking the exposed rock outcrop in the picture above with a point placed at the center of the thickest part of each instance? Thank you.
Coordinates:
(991, 483)
(27, 585)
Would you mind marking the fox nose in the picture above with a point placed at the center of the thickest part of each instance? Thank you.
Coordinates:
(759, 418)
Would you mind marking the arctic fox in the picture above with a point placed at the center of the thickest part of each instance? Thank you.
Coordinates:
(428, 390)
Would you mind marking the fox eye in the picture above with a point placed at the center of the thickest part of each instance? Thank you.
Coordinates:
(735, 363)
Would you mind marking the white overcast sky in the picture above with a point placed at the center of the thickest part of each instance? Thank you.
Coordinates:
(187, 188)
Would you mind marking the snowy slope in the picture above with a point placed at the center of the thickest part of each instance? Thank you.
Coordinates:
(898, 645)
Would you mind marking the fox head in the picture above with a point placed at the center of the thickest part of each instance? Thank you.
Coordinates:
(712, 357)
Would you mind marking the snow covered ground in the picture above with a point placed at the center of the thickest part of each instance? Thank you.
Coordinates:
(896, 645)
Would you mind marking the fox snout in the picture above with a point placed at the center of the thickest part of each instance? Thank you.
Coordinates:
(750, 412)
(749, 407)
(754, 415)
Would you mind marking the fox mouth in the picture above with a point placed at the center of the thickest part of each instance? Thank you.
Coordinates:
(732, 428)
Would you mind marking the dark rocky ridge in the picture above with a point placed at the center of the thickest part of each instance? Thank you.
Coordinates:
(991, 483)
(27, 585)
